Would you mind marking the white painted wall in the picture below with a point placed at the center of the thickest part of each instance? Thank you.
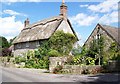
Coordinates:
(65, 27)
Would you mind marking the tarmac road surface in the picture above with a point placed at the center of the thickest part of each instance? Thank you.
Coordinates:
(38, 75)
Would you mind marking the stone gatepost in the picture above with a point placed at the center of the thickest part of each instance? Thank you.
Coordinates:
(54, 61)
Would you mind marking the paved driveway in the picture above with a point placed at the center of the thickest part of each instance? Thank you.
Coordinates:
(34, 75)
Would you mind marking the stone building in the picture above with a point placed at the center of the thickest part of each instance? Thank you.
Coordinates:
(110, 35)
(33, 34)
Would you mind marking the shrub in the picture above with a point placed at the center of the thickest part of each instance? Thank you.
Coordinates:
(53, 53)
(77, 60)
(90, 60)
(6, 52)
(37, 53)
(19, 59)
(46, 62)
(29, 63)
(57, 69)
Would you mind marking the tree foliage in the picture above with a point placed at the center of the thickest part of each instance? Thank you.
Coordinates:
(53, 53)
(3, 42)
(62, 42)
(76, 51)
(114, 51)
(11, 40)
(4, 47)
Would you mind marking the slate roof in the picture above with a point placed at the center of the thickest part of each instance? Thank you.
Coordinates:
(112, 31)
(40, 30)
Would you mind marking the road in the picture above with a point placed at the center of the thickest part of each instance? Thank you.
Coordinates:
(33, 75)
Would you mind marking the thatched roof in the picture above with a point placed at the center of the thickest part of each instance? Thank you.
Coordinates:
(40, 30)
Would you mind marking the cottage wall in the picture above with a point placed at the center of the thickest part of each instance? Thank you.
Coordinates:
(21, 52)
(98, 30)
(65, 27)
(26, 45)
(21, 48)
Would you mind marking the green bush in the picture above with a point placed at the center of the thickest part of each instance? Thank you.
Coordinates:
(53, 53)
(19, 59)
(77, 60)
(37, 53)
(90, 60)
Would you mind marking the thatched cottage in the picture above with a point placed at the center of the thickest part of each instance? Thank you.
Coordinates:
(110, 35)
(33, 34)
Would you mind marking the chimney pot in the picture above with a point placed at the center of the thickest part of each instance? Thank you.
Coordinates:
(63, 9)
(26, 22)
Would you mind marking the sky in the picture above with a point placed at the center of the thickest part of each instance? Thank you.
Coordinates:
(84, 15)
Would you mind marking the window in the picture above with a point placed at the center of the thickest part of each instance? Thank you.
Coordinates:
(96, 37)
(27, 44)
(98, 30)
(19, 45)
(37, 43)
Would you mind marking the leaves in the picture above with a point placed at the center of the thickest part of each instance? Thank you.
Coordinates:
(62, 42)
(53, 53)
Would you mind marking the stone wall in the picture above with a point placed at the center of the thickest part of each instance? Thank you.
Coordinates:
(114, 66)
(20, 52)
(78, 69)
(75, 69)
(5, 63)
(56, 60)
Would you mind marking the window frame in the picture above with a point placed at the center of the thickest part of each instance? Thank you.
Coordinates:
(27, 44)
(19, 45)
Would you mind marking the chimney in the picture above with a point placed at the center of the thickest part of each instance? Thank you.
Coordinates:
(63, 9)
(26, 22)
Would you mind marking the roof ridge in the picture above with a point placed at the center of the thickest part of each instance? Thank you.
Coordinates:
(108, 26)
(44, 21)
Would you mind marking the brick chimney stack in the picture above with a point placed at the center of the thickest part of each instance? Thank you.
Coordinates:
(63, 9)
(26, 22)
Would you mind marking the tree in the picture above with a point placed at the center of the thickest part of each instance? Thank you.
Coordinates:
(96, 49)
(11, 40)
(3, 42)
(114, 51)
(76, 51)
(62, 42)
(4, 47)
